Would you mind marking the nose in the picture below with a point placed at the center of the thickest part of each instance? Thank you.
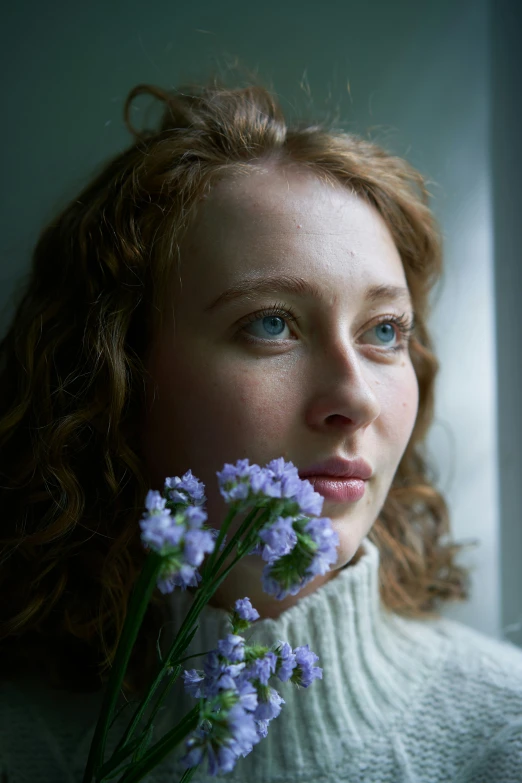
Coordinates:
(343, 396)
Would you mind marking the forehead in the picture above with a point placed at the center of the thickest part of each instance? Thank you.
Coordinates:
(273, 200)
(271, 221)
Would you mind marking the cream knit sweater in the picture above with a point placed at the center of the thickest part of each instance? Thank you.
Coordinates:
(401, 701)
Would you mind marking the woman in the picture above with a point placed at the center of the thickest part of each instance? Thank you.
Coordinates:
(230, 287)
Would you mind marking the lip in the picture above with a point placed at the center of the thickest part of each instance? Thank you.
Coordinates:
(337, 467)
(338, 490)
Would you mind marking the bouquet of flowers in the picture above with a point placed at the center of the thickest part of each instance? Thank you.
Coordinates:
(236, 701)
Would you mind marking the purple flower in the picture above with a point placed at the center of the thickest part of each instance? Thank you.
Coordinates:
(261, 668)
(243, 615)
(249, 484)
(218, 675)
(286, 478)
(195, 745)
(154, 501)
(232, 733)
(186, 576)
(262, 728)
(295, 488)
(232, 647)
(269, 704)
(197, 544)
(309, 501)
(286, 661)
(245, 610)
(327, 541)
(192, 680)
(279, 538)
(179, 537)
(280, 468)
(247, 695)
(237, 701)
(160, 529)
(272, 585)
(188, 490)
(305, 672)
(289, 499)
(202, 742)
(243, 728)
(313, 554)
(234, 481)
(194, 517)
(262, 484)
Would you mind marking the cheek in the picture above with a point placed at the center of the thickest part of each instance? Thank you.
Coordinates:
(251, 407)
(220, 414)
(400, 401)
(226, 410)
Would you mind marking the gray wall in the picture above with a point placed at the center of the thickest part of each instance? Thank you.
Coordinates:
(415, 76)
(506, 134)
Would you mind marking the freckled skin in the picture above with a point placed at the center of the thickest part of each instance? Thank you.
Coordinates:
(322, 387)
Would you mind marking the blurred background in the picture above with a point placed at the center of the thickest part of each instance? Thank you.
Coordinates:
(435, 82)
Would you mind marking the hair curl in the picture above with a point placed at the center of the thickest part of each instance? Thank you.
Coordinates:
(72, 380)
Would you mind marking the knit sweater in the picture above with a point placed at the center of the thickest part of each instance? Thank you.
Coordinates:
(401, 701)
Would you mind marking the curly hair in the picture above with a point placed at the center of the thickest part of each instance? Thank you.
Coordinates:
(73, 377)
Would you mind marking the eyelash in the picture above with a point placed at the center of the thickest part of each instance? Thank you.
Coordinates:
(405, 324)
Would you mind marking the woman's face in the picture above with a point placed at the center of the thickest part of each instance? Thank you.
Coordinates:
(327, 385)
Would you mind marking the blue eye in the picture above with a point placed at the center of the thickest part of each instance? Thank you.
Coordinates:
(390, 332)
(272, 324)
(271, 321)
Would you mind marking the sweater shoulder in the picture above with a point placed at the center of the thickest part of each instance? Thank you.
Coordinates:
(468, 715)
(465, 652)
(46, 734)
(479, 680)
(495, 661)
(25, 727)
(43, 730)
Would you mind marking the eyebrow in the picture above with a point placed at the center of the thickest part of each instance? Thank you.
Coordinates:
(249, 289)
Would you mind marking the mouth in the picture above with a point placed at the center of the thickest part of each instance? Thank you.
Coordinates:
(337, 489)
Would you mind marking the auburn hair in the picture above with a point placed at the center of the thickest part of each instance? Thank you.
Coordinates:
(72, 380)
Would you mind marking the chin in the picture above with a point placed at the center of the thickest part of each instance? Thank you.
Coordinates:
(348, 552)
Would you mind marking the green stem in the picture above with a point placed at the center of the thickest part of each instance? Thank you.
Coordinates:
(126, 740)
(162, 748)
(172, 679)
(134, 721)
(201, 599)
(196, 655)
(127, 744)
(244, 525)
(222, 532)
(139, 600)
(250, 539)
(179, 645)
(207, 591)
(116, 759)
(188, 775)
(226, 572)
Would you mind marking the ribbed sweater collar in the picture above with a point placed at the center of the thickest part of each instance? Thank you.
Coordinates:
(374, 663)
